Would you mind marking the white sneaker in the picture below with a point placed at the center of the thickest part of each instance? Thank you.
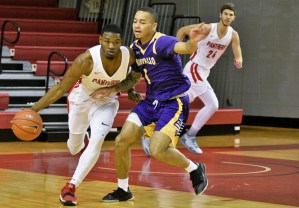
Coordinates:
(145, 145)
(191, 144)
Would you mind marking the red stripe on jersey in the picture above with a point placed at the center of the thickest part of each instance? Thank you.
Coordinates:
(197, 74)
(194, 72)
(75, 86)
(192, 56)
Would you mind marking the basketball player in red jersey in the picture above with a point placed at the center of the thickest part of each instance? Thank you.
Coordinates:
(101, 66)
(216, 39)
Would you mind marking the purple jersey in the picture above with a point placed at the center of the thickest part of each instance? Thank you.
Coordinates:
(161, 67)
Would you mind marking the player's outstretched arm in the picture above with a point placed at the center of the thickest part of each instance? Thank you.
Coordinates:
(184, 31)
(82, 65)
(196, 33)
(199, 32)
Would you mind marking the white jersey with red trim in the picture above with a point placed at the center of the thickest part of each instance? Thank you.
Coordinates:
(98, 78)
(210, 49)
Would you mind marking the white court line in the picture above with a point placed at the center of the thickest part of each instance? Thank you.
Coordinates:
(263, 170)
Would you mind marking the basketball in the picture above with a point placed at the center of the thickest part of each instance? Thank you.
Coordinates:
(27, 125)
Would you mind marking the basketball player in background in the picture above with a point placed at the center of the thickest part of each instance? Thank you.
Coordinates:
(101, 66)
(215, 38)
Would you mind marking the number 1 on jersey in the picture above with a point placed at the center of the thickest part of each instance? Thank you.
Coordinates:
(146, 77)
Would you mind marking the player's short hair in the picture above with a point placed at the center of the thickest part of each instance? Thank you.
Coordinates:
(113, 28)
(151, 11)
(229, 6)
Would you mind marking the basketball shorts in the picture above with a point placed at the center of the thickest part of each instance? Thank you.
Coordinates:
(85, 112)
(168, 116)
(199, 83)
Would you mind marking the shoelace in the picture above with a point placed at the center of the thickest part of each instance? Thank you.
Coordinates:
(192, 141)
(116, 193)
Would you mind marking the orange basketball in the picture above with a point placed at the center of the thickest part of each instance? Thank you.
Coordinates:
(27, 125)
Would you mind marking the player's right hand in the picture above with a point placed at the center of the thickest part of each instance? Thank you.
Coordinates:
(238, 64)
(102, 92)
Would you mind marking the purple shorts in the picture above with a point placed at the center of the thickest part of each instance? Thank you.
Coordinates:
(167, 116)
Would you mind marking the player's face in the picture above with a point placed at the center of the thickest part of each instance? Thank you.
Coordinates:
(110, 43)
(227, 17)
(144, 26)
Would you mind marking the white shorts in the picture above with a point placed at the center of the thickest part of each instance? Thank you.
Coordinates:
(199, 84)
(85, 111)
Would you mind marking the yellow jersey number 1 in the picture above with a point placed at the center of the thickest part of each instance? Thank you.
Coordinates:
(146, 77)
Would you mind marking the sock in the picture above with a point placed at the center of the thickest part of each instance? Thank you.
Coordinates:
(192, 166)
(75, 182)
(123, 184)
(191, 133)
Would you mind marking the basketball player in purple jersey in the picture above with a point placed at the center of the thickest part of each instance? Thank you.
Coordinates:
(166, 104)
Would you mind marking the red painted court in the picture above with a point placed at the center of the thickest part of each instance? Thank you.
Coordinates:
(250, 174)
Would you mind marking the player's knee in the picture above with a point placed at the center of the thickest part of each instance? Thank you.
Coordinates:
(156, 153)
(74, 148)
(214, 107)
(122, 141)
(95, 143)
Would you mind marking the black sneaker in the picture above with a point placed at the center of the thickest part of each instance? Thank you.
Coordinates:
(199, 178)
(118, 195)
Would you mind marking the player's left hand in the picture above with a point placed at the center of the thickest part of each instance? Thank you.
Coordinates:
(196, 34)
(238, 64)
(134, 96)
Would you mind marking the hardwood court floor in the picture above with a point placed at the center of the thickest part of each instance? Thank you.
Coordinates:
(260, 172)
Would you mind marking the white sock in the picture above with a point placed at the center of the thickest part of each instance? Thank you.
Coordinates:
(191, 133)
(75, 182)
(190, 136)
(123, 184)
(192, 166)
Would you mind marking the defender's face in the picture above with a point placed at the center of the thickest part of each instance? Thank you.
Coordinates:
(144, 26)
(227, 17)
(110, 43)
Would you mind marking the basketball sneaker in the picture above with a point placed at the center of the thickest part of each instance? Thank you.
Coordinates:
(118, 195)
(199, 179)
(145, 141)
(67, 195)
(191, 144)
